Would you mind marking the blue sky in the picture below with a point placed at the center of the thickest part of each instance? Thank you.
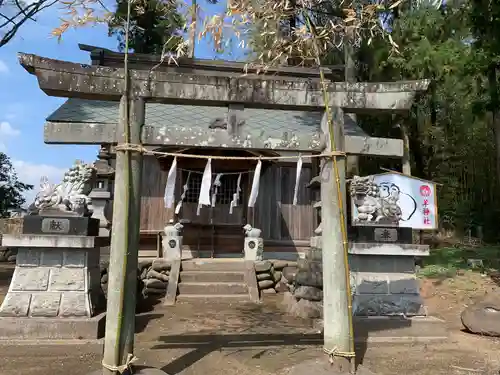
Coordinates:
(24, 107)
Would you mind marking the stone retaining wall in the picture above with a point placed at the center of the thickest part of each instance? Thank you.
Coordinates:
(8, 255)
(274, 276)
(152, 279)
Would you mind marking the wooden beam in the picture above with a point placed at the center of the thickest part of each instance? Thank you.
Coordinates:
(66, 79)
(98, 133)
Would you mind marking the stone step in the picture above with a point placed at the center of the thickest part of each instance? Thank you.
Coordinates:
(211, 297)
(223, 265)
(211, 277)
(218, 288)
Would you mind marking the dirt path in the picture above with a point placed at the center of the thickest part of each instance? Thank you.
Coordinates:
(245, 339)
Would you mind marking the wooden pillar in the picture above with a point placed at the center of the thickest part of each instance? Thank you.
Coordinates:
(137, 108)
(120, 316)
(337, 320)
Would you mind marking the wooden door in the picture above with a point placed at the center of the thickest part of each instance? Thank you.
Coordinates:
(213, 231)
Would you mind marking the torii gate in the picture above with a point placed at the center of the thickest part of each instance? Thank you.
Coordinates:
(214, 83)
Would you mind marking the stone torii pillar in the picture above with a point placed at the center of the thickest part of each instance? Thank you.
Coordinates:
(290, 88)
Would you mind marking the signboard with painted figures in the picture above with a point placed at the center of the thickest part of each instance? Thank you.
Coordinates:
(393, 200)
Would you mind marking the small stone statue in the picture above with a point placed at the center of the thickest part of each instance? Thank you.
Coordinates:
(172, 229)
(68, 197)
(315, 184)
(253, 247)
(172, 241)
(319, 230)
(252, 232)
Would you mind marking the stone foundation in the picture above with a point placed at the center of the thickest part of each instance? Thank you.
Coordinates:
(55, 276)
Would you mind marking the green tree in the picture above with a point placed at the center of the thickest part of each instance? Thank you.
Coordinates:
(155, 25)
(485, 26)
(11, 189)
(451, 137)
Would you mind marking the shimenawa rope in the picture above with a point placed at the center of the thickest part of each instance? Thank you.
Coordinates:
(131, 359)
(142, 149)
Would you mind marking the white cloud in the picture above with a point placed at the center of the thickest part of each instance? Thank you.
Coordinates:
(6, 130)
(30, 173)
(3, 67)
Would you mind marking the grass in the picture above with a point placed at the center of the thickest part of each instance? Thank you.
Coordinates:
(446, 262)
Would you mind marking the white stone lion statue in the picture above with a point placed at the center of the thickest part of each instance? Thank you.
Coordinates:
(71, 195)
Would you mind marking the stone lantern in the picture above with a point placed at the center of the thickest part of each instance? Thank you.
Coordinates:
(101, 193)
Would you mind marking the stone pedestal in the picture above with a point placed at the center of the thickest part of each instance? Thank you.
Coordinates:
(172, 247)
(383, 275)
(56, 276)
(254, 248)
(172, 241)
(315, 242)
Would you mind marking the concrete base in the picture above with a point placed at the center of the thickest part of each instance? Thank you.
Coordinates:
(23, 328)
(138, 370)
(384, 329)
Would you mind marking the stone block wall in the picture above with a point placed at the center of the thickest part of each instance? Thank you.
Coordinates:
(54, 282)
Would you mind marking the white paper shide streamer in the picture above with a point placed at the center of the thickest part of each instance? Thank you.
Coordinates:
(236, 195)
(255, 185)
(169, 196)
(216, 188)
(185, 189)
(297, 180)
(206, 183)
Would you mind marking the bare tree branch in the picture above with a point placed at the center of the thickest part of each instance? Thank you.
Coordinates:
(23, 14)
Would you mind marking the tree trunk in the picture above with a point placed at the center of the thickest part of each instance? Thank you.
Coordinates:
(495, 114)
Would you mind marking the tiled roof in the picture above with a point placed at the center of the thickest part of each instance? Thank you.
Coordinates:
(172, 115)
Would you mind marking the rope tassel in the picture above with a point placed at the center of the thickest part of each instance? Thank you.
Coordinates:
(131, 359)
